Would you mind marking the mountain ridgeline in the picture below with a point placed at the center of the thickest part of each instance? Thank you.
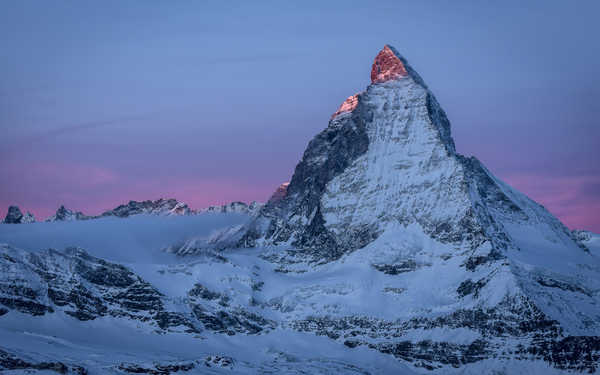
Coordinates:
(387, 159)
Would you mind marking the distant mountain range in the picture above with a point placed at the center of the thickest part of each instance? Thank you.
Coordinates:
(161, 207)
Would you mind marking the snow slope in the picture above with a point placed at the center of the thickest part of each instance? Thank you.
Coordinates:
(245, 280)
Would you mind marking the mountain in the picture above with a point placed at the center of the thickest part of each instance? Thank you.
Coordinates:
(15, 216)
(64, 214)
(161, 207)
(384, 177)
(387, 252)
(158, 207)
(165, 207)
(388, 162)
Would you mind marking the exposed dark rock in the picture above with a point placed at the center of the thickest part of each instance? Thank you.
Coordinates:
(200, 291)
(64, 214)
(232, 322)
(15, 216)
(11, 362)
(551, 283)
(398, 268)
(578, 353)
(156, 368)
(160, 206)
(219, 361)
(327, 155)
(469, 287)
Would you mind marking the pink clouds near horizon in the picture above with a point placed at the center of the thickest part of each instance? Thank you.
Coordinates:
(93, 189)
(567, 197)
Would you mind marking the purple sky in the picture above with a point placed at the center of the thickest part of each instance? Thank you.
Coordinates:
(208, 102)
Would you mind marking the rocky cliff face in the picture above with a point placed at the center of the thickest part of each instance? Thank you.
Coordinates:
(15, 216)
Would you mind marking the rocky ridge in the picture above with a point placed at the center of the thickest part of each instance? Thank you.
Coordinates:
(15, 216)
(64, 214)
(161, 207)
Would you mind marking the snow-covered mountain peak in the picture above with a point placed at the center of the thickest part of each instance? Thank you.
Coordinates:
(166, 207)
(354, 176)
(15, 216)
(64, 214)
(385, 184)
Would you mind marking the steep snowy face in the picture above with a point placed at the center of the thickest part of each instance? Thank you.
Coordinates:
(387, 160)
(387, 155)
(15, 216)
(384, 177)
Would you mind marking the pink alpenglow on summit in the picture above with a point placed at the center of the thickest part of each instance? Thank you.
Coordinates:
(387, 66)
(347, 106)
(280, 193)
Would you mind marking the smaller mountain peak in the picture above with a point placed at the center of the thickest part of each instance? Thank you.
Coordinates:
(347, 106)
(64, 214)
(15, 216)
(388, 65)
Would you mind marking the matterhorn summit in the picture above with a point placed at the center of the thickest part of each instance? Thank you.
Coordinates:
(387, 163)
(388, 252)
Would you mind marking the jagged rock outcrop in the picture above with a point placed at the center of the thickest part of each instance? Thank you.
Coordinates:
(64, 214)
(236, 207)
(11, 362)
(162, 207)
(15, 216)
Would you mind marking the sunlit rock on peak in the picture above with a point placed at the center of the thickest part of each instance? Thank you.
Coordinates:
(388, 65)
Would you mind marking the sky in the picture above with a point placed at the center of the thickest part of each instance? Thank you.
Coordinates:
(215, 101)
